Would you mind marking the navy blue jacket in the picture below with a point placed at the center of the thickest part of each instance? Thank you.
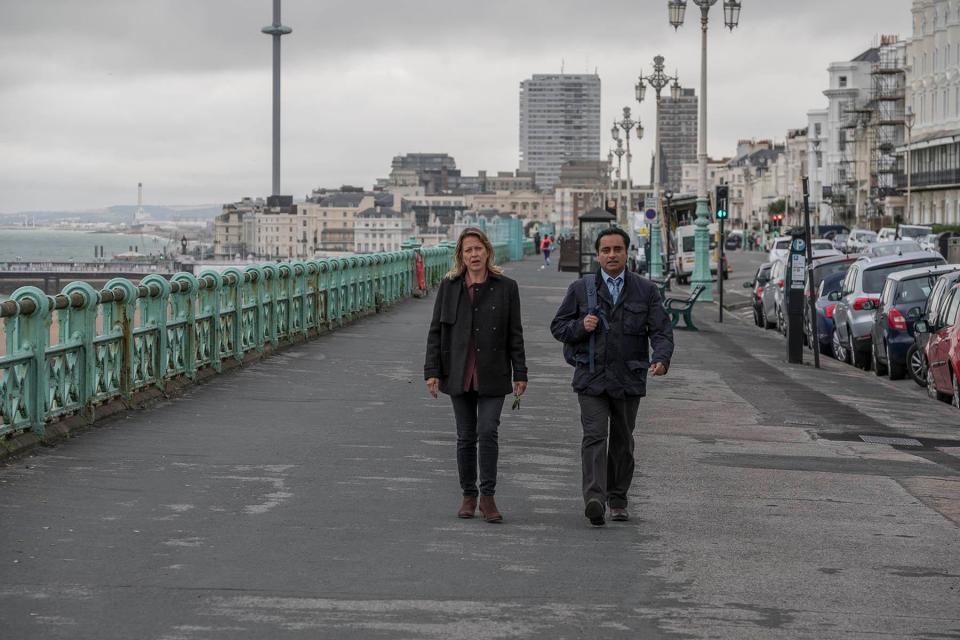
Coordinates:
(493, 319)
(621, 353)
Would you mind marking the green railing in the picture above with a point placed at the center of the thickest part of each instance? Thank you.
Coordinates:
(67, 354)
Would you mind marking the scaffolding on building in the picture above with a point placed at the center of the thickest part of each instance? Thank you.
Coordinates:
(888, 103)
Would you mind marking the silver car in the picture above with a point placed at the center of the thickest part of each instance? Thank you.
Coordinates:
(859, 296)
(772, 292)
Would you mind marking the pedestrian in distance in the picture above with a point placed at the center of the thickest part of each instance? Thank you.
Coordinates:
(546, 247)
(474, 342)
(536, 242)
(608, 322)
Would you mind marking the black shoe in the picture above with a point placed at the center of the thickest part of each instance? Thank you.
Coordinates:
(594, 512)
(619, 514)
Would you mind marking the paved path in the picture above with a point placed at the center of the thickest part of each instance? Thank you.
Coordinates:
(313, 495)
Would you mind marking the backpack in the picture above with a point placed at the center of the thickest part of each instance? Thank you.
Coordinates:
(570, 350)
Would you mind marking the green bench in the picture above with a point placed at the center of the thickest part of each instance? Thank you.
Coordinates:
(678, 307)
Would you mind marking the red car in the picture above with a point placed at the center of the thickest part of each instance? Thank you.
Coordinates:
(943, 350)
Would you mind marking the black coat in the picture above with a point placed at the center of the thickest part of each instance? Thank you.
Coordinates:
(622, 353)
(494, 321)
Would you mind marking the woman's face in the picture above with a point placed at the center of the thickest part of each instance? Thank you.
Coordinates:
(474, 254)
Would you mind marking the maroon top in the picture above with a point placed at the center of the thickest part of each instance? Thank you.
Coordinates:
(470, 371)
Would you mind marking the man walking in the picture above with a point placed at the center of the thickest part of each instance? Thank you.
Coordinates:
(608, 321)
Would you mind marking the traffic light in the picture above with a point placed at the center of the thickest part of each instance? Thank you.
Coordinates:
(723, 195)
(777, 219)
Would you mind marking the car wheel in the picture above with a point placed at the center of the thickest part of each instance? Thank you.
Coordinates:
(917, 366)
(857, 358)
(879, 368)
(781, 326)
(955, 398)
(839, 351)
(897, 369)
(932, 388)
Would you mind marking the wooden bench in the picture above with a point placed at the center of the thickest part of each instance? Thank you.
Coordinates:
(678, 307)
(662, 285)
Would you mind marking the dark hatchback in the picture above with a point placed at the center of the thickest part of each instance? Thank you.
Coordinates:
(903, 301)
(760, 279)
(827, 275)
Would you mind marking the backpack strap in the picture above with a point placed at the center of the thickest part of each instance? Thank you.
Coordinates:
(590, 282)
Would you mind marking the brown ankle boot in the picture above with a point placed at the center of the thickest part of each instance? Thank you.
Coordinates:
(488, 509)
(468, 507)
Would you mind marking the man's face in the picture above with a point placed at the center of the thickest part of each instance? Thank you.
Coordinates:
(612, 254)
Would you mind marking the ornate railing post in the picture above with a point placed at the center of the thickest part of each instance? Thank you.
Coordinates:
(81, 326)
(235, 286)
(271, 287)
(124, 315)
(184, 315)
(30, 337)
(210, 307)
(258, 319)
(156, 310)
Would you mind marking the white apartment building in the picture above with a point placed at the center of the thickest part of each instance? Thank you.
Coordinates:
(380, 229)
(933, 94)
(235, 230)
(559, 121)
(526, 205)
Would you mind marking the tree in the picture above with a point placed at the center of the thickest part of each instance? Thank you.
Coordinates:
(777, 206)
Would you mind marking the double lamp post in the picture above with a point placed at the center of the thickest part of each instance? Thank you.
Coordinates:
(731, 13)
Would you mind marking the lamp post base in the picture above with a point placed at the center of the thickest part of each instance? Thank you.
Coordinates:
(656, 263)
(701, 248)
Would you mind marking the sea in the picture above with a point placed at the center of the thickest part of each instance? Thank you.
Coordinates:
(56, 245)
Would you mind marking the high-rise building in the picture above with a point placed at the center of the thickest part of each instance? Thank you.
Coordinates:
(559, 122)
(678, 137)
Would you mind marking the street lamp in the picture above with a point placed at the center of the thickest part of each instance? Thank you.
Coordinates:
(619, 151)
(731, 14)
(658, 80)
(668, 218)
(908, 119)
(627, 124)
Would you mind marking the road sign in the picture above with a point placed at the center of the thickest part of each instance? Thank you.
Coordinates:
(651, 214)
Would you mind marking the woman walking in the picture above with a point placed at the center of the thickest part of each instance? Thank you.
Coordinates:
(475, 340)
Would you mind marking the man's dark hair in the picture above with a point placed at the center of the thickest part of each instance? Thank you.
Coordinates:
(609, 231)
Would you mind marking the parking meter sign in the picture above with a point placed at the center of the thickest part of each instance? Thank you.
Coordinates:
(651, 215)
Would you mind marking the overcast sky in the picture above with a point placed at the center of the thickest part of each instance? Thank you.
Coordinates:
(96, 95)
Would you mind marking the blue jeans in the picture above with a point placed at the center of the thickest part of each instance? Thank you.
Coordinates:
(478, 418)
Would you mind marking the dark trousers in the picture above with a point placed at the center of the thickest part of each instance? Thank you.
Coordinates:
(478, 418)
(606, 452)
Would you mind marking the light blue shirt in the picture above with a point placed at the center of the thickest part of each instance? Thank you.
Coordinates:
(614, 289)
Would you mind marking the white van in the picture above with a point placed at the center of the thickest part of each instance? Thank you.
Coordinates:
(685, 258)
(887, 234)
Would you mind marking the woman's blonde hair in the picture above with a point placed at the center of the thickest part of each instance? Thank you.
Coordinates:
(458, 265)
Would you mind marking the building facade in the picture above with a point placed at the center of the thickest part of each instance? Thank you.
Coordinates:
(678, 137)
(933, 95)
(559, 121)
(380, 229)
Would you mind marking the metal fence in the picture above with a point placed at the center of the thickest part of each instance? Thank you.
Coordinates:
(67, 354)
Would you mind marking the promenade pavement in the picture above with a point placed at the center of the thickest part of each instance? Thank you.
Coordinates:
(313, 495)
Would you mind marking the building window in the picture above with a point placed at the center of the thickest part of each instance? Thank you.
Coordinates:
(843, 82)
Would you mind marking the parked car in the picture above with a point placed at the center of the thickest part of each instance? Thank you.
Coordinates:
(773, 288)
(931, 242)
(915, 232)
(943, 350)
(859, 297)
(903, 301)
(733, 241)
(760, 278)
(916, 355)
(827, 295)
(891, 247)
(840, 241)
(822, 245)
(859, 239)
(832, 267)
(780, 248)
(887, 234)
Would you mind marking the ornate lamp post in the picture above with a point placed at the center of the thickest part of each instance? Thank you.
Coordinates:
(619, 151)
(627, 124)
(668, 216)
(658, 80)
(908, 119)
(731, 14)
